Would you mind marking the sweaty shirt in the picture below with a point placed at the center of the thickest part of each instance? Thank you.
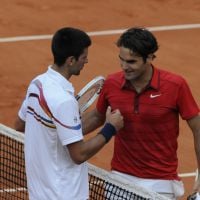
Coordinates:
(147, 145)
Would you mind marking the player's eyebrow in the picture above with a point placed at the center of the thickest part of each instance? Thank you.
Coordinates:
(127, 61)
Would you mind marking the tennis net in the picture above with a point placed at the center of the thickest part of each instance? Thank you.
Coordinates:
(103, 184)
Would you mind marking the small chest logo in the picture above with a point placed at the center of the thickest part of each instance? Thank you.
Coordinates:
(154, 95)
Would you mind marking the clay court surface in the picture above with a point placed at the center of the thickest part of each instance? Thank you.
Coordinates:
(23, 60)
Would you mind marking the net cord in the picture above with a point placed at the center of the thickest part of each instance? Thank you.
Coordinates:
(123, 183)
(11, 133)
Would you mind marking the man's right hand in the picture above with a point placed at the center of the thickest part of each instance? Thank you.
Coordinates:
(115, 118)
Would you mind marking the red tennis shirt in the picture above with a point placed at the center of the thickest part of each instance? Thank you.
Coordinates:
(147, 145)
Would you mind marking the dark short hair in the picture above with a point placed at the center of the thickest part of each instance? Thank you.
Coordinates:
(139, 40)
(68, 42)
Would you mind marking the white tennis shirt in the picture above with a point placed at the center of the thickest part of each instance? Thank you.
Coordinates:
(52, 118)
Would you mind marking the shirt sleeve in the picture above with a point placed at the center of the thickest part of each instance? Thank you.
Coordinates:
(23, 109)
(187, 105)
(68, 122)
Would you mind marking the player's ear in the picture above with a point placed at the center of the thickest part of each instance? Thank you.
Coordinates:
(70, 60)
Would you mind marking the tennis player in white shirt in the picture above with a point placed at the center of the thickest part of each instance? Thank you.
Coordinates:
(55, 152)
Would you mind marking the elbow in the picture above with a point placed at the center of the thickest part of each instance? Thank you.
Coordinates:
(78, 160)
(19, 125)
(77, 152)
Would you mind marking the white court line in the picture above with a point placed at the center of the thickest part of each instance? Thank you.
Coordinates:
(183, 175)
(100, 33)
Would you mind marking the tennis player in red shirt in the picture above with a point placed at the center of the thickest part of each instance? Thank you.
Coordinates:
(150, 100)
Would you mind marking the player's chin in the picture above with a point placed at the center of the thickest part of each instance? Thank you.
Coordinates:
(129, 76)
(79, 71)
(77, 74)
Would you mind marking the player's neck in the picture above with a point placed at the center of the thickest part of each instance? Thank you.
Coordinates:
(61, 70)
(142, 82)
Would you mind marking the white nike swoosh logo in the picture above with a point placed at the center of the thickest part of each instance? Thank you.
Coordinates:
(154, 96)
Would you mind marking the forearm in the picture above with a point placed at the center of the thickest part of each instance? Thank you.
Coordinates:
(197, 148)
(92, 146)
(84, 150)
(194, 123)
(91, 121)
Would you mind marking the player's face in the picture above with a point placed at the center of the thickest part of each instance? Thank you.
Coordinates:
(80, 62)
(133, 65)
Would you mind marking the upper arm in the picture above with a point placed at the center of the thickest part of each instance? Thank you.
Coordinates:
(92, 120)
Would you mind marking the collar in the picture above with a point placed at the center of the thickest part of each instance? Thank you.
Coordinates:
(61, 80)
(154, 82)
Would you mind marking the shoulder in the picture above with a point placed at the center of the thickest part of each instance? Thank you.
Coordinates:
(52, 90)
(171, 78)
(114, 80)
(117, 77)
(56, 95)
